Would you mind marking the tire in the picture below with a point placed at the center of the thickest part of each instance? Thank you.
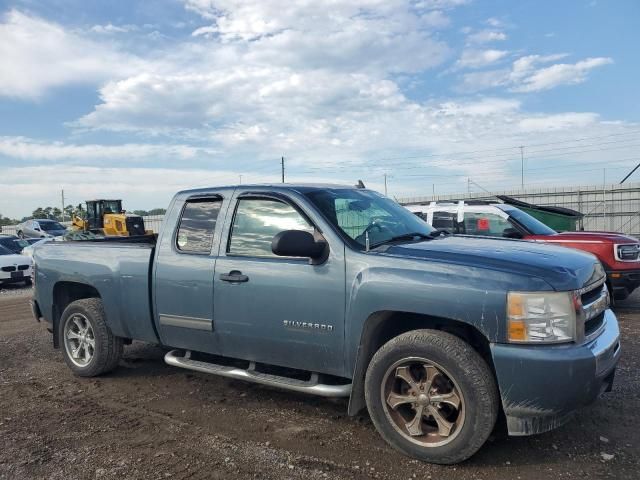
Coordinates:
(28, 282)
(21, 234)
(445, 367)
(107, 348)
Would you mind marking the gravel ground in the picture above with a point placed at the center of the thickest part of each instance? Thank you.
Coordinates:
(15, 290)
(149, 420)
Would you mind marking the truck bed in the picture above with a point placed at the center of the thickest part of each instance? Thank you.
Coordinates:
(119, 270)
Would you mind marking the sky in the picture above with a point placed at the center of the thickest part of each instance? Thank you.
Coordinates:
(139, 99)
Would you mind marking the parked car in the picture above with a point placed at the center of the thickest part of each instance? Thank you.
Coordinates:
(14, 268)
(13, 243)
(339, 291)
(34, 243)
(41, 228)
(619, 254)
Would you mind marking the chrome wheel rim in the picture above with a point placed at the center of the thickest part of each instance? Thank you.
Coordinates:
(79, 340)
(422, 402)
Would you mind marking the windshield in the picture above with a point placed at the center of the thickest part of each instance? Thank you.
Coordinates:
(5, 251)
(111, 206)
(13, 244)
(533, 225)
(48, 226)
(357, 213)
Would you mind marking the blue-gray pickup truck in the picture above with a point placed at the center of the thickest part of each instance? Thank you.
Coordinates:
(339, 291)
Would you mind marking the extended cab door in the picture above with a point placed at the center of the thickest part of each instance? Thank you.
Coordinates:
(184, 270)
(278, 310)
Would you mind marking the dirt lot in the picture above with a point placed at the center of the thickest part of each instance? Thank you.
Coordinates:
(149, 420)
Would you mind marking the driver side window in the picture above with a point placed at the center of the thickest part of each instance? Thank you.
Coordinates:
(257, 221)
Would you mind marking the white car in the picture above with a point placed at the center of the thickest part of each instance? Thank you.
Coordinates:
(14, 268)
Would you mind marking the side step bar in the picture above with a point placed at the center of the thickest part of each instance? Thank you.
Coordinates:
(311, 386)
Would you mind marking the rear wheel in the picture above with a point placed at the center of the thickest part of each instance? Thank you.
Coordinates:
(431, 396)
(89, 346)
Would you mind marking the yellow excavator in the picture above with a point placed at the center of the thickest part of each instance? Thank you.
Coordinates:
(106, 217)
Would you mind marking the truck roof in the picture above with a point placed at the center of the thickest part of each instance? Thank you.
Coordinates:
(298, 187)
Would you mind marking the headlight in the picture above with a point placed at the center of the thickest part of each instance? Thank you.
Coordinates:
(541, 317)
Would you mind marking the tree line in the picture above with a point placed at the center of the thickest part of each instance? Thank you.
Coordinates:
(55, 213)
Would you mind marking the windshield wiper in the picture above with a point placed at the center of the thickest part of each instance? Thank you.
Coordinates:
(404, 236)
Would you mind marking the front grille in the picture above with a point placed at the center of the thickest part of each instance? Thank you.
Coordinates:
(23, 267)
(627, 253)
(591, 326)
(595, 300)
(592, 295)
(8, 269)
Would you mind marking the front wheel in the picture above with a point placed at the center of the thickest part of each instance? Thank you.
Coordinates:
(431, 396)
(88, 345)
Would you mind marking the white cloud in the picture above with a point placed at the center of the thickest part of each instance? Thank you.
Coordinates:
(527, 74)
(486, 36)
(473, 58)
(110, 28)
(38, 55)
(562, 121)
(24, 148)
(561, 74)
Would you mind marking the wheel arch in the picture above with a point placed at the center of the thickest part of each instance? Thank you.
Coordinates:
(382, 326)
(64, 293)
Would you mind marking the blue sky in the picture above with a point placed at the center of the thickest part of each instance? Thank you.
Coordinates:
(138, 99)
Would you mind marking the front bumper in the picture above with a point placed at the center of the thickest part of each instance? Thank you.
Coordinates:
(624, 281)
(541, 386)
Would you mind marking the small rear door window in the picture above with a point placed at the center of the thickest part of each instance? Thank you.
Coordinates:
(197, 224)
(487, 224)
(445, 221)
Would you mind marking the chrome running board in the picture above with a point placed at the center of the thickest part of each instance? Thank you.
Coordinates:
(310, 386)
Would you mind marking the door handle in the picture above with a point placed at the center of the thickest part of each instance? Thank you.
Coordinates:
(234, 276)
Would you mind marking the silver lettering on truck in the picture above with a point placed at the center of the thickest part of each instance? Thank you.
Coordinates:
(307, 325)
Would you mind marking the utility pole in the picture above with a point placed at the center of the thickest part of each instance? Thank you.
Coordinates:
(282, 163)
(385, 184)
(604, 198)
(522, 166)
(240, 179)
(63, 204)
(468, 185)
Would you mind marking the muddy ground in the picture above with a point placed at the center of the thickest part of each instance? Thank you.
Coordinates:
(149, 420)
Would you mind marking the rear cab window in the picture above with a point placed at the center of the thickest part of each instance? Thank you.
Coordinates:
(197, 225)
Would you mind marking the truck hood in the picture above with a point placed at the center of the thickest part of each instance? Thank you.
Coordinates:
(599, 237)
(562, 268)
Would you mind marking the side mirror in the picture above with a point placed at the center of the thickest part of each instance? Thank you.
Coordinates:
(298, 243)
(511, 233)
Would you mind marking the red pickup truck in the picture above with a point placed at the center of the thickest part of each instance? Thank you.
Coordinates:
(618, 253)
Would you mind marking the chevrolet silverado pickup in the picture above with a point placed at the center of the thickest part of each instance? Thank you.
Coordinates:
(341, 292)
